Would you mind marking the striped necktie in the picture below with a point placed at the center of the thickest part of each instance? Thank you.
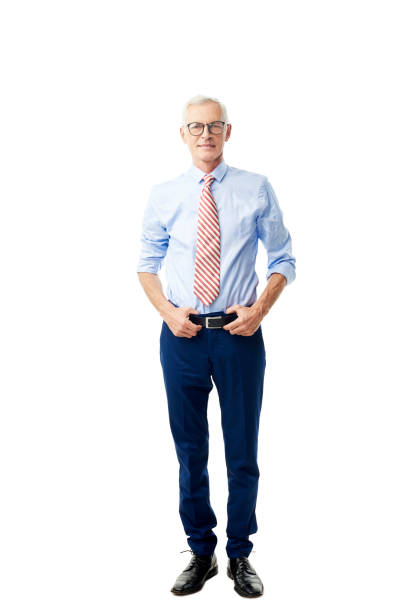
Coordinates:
(207, 261)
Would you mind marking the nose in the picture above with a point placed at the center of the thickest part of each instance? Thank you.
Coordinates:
(206, 138)
(208, 134)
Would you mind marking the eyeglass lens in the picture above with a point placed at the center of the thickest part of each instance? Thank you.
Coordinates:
(214, 128)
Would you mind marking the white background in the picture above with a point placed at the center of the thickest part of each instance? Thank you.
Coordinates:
(91, 104)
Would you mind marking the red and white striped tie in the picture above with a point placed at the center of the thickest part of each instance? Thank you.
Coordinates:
(207, 261)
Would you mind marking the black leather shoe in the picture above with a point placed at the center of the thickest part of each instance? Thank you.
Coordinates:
(200, 569)
(247, 581)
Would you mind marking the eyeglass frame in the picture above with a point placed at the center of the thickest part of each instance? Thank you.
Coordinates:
(224, 123)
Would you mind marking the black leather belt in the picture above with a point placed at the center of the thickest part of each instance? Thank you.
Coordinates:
(213, 322)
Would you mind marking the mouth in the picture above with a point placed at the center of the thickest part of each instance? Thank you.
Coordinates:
(206, 146)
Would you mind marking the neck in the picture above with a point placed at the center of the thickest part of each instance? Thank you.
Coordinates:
(209, 166)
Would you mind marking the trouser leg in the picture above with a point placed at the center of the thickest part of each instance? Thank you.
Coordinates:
(238, 372)
(188, 383)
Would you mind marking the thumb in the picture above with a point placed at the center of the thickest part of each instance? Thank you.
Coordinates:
(193, 310)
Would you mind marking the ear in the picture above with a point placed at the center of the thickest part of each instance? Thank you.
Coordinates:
(228, 133)
(183, 138)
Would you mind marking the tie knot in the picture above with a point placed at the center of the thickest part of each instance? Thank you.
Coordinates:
(208, 179)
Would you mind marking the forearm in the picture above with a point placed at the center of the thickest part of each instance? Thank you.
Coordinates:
(153, 288)
(274, 287)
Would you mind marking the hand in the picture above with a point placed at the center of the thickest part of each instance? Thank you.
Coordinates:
(179, 323)
(248, 321)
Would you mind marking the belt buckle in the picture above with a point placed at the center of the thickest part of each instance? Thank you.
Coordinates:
(212, 326)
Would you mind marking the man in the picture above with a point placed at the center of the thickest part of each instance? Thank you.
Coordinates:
(206, 223)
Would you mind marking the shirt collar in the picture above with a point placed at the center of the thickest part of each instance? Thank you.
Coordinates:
(218, 171)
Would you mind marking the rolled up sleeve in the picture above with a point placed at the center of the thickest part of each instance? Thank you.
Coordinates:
(154, 240)
(274, 235)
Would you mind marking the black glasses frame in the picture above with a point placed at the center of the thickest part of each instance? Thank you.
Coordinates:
(204, 124)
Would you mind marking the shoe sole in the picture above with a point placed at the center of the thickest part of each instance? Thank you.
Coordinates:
(210, 574)
(240, 591)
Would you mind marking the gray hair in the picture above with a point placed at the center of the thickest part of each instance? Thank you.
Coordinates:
(199, 99)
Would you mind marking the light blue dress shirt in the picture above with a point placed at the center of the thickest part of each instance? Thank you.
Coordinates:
(248, 210)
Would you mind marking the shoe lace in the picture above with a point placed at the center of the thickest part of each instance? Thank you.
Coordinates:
(193, 559)
(244, 566)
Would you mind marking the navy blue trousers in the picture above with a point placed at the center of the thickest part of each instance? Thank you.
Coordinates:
(236, 364)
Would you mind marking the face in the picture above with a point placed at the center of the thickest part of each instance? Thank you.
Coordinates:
(206, 149)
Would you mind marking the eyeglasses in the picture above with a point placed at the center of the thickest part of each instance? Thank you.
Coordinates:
(196, 129)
